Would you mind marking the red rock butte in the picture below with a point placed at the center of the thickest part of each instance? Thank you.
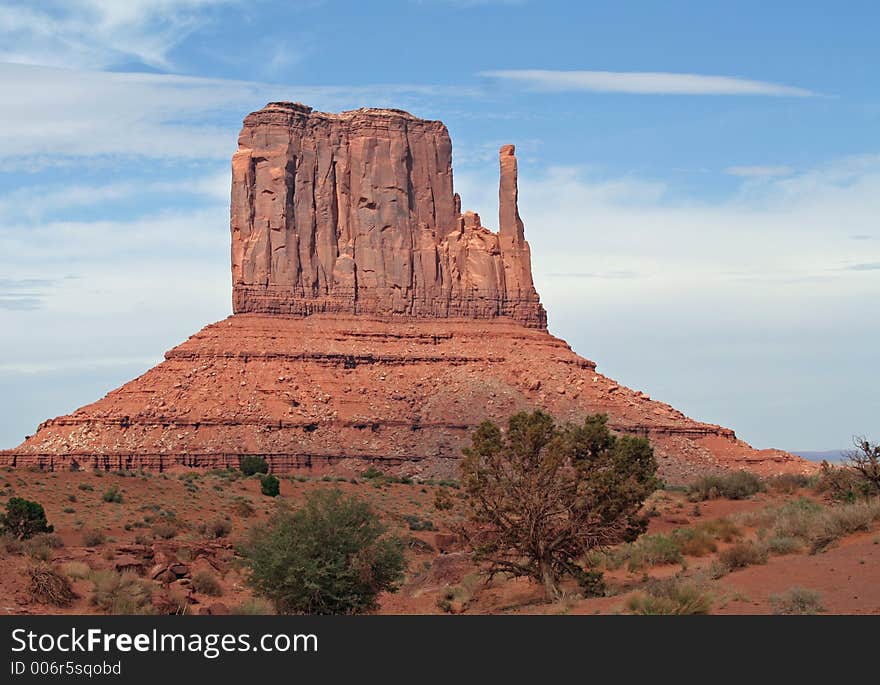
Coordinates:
(374, 323)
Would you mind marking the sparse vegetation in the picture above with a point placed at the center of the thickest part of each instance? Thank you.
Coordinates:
(112, 494)
(24, 519)
(737, 485)
(219, 528)
(743, 554)
(205, 583)
(797, 601)
(120, 593)
(332, 556)
(671, 596)
(93, 537)
(541, 496)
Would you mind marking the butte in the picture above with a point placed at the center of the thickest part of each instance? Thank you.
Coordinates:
(374, 323)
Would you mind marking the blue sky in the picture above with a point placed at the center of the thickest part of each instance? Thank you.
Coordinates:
(700, 182)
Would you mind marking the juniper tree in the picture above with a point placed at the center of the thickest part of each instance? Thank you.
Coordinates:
(542, 495)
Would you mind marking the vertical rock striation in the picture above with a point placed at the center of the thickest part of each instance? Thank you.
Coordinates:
(356, 213)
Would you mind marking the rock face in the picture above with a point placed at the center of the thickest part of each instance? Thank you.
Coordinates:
(374, 323)
(355, 213)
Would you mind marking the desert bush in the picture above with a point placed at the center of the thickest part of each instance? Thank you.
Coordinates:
(121, 593)
(372, 473)
(112, 494)
(736, 485)
(270, 486)
(797, 601)
(251, 465)
(331, 556)
(652, 550)
(219, 528)
(24, 519)
(166, 527)
(541, 496)
(671, 596)
(93, 537)
(86, 487)
(743, 554)
(694, 542)
(721, 529)
(784, 545)
(47, 586)
(813, 524)
(788, 483)
(206, 583)
(11, 544)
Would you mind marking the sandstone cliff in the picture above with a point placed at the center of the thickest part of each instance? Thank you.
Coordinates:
(356, 213)
(374, 323)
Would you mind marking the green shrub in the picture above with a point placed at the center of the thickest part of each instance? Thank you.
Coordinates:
(251, 465)
(671, 596)
(332, 556)
(112, 494)
(797, 601)
(205, 583)
(653, 550)
(270, 486)
(86, 487)
(736, 485)
(24, 519)
(371, 473)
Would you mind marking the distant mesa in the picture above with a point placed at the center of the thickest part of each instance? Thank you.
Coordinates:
(374, 323)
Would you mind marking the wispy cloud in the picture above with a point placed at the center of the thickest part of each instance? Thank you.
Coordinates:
(758, 171)
(52, 114)
(642, 82)
(869, 266)
(99, 33)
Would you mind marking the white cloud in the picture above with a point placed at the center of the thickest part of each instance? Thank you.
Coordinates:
(95, 34)
(49, 114)
(754, 311)
(642, 82)
(758, 171)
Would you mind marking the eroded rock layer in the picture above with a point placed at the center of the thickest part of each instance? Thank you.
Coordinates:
(334, 391)
(356, 213)
(374, 323)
